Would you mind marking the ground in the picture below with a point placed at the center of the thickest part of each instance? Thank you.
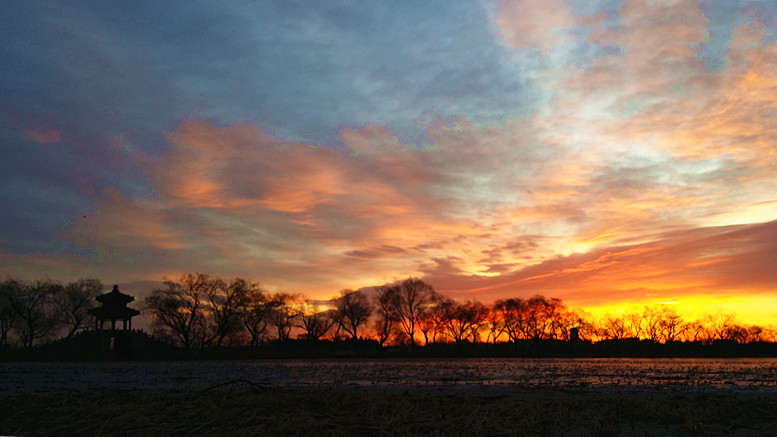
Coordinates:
(243, 409)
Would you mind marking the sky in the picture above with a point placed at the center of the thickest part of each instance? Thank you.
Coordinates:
(612, 154)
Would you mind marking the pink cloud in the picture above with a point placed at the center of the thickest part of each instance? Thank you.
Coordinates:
(44, 134)
(541, 25)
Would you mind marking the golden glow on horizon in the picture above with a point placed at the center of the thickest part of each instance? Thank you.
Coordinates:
(747, 309)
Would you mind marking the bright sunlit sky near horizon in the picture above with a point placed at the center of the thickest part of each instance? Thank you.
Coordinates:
(608, 153)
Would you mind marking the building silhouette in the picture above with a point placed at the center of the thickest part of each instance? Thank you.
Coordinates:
(114, 307)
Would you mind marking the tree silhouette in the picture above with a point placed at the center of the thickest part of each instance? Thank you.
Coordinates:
(283, 313)
(510, 311)
(256, 316)
(200, 310)
(433, 320)
(719, 326)
(408, 301)
(463, 320)
(383, 325)
(228, 303)
(615, 328)
(73, 302)
(32, 303)
(316, 322)
(8, 317)
(179, 309)
(352, 309)
(494, 323)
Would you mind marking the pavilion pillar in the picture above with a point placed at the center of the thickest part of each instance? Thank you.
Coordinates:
(113, 324)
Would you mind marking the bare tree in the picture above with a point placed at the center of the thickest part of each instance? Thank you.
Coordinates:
(32, 303)
(672, 326)
(769, 334)
(510, 311)
(317, 322)
(586, 328)
(283, 313)
(383, 326)
(8, 317)
(352, 309)
(695, 331)
(756, 334)
(432, 320)
(636, 324)
(227, 303)
(495, 324)
(651, 322)
(536, 316)
(462, 320)
(409, 300)
(256, 316)
(612, 328)
(720, 326)
(618, 327)
(564, 321)
(560, 319)
(179, 310)
(73, 302)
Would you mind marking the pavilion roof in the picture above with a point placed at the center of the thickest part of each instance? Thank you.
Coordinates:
(115, 297)
(114, 306)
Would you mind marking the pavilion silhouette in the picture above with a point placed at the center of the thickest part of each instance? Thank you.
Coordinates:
(114, 307)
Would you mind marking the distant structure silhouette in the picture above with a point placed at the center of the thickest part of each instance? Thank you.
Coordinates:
(574, 335)
(114, 307)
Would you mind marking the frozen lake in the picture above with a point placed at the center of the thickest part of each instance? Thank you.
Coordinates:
(499, 374)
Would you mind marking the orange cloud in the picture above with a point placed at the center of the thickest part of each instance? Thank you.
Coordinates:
(732, 261)
(232, 199)
(126, 223)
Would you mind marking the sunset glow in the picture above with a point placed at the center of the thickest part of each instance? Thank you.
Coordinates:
(613, 154)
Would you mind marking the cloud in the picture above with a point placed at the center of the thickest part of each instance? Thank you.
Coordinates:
(44, 134)
(603, 164)
(229, 198)
(649, 136)
(541, 25)
(377, 252)
(500, 199)
(130, 223)
(727, 261)
(233, 198)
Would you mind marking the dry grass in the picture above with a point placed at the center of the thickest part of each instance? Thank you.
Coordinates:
(373, 412)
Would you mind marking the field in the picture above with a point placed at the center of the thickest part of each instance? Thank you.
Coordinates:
(417, 397)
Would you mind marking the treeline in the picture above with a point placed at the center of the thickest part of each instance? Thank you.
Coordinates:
(199, 311)
(36, 312)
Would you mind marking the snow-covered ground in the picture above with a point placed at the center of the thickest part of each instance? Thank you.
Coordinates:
(497, 375)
